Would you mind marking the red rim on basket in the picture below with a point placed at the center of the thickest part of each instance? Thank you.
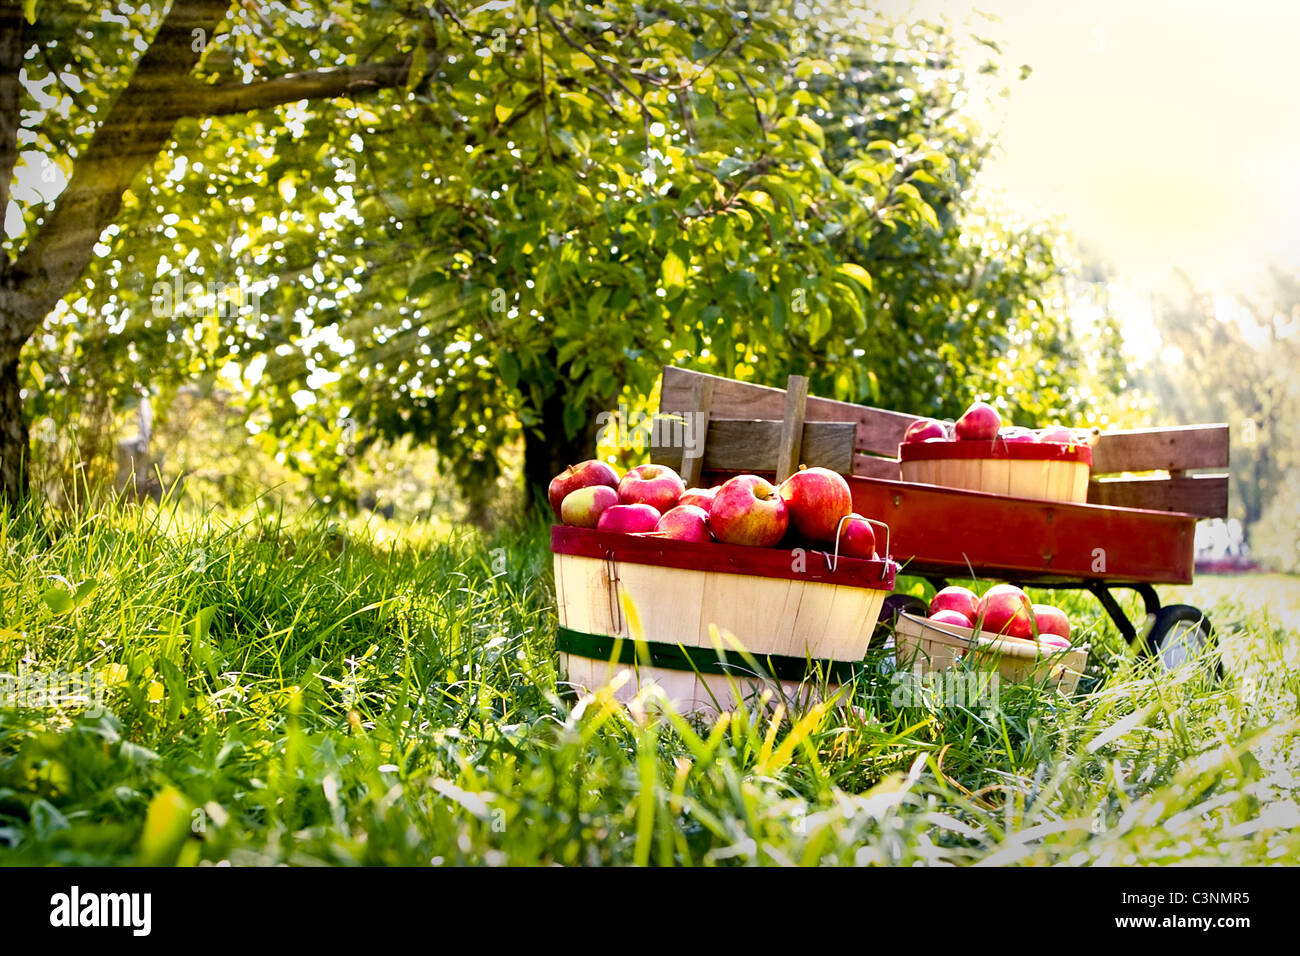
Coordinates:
(650, 548)
(995, 448)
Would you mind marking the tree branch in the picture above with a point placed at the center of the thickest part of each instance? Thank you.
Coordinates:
(224, 99)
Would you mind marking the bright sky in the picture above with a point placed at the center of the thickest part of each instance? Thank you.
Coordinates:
(1165, 132)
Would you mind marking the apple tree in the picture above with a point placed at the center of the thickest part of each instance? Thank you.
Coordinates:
(594, 193)
(471, 224)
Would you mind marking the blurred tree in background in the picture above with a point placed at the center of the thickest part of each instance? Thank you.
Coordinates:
(1233, 359)
(544, 205)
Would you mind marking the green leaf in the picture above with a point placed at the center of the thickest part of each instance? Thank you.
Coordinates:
(202, 623)
(597, 302)
(730, 165)
(819, 323)
(674, 272)
(855, 272)
(59, 600)
(29, 10)
(508, 365)
(416, 73)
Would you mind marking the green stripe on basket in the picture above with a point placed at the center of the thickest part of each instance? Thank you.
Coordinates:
(704, 660)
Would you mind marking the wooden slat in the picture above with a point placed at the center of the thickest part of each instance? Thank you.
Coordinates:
(869, 466)
(1205, 496)
(792, 419)
(878, 430)
(753, 446)
(1161, 449)
(702, 406)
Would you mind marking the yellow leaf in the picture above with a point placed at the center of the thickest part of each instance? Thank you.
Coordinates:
(166, 825)
(674, 276)
(855, 272)
(115, 674)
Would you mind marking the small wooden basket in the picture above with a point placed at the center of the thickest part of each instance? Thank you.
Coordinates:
(1040, 470)
(711, 624)
(923, 646)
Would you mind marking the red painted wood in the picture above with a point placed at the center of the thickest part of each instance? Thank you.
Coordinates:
(723, 558)
(1011, 451)
(948, 532)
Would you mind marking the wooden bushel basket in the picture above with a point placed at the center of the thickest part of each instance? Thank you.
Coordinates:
(710, 624)
(924, 647)
(1043, 470)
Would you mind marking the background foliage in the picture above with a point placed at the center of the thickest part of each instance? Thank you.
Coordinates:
(561, 201)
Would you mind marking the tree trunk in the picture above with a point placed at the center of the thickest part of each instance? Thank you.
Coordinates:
(14, 441)
(548, 450)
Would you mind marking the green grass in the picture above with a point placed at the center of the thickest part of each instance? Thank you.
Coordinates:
(312, 693)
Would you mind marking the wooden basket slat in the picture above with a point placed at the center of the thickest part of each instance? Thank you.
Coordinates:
(1044, 480)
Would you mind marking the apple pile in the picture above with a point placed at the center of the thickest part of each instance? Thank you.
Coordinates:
(1004, 610)
(813, 505)
(981, 422)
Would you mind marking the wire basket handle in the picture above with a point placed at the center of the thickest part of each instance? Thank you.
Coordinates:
(834, 560)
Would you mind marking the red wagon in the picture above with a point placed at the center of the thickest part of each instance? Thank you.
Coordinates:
(1136, 529)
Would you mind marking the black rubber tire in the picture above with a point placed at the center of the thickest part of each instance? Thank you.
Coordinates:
(1166, 642)
(893, 605)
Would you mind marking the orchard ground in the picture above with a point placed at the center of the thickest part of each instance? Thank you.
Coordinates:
(296, 690)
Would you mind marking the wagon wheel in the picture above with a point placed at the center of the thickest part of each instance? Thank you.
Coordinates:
(1179, 632)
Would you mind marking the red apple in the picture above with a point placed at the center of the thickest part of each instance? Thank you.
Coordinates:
(924, 428)
(817, 499)
(1017, 433)
(1057, 434)
(628, 519)
(700, 497)
(748, 510)
(1007, 610)
(955, 598)
(583, 508)
(1052, 620)
(981, 422)
(858, 538)
(655, 485)
(593, 472)
(685, 523)
(1054, 641)
(950, 617)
